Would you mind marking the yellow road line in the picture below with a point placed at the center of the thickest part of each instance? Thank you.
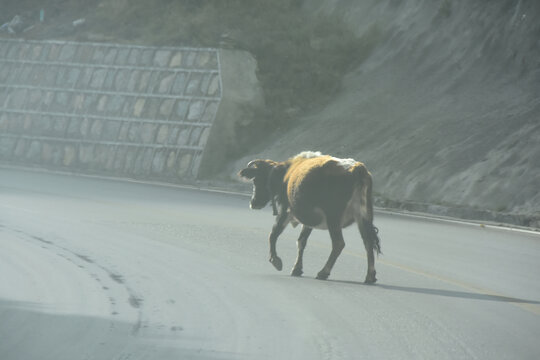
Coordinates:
(522, 304)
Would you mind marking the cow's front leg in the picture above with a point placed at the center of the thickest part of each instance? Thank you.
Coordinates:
(277, 229)
(302, 240)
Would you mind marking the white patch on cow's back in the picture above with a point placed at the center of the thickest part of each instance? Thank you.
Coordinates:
(308, 154)
(345, 163)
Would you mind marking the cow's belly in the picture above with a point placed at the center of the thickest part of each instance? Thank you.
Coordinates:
(316, 218)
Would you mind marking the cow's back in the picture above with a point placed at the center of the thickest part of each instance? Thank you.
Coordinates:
(318, 188)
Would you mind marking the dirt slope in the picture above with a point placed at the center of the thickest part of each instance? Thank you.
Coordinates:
(446, 108)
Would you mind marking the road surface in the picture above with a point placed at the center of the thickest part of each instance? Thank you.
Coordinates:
(100, 269)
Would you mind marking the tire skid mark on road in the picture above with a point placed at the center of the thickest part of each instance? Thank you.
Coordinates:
(328, 347)
(93, 268)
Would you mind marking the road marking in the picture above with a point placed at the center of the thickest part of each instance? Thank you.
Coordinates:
(531, 306)
(527, 305)
(476, 223)
(127, 180)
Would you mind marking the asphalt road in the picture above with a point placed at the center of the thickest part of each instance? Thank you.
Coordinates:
(101, 269)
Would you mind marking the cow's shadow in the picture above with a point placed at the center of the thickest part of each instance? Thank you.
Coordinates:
(441, 292)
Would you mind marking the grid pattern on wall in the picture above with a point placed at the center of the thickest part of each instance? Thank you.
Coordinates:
(119, 109)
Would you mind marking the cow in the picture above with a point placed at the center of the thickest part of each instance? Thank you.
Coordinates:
(317, 191)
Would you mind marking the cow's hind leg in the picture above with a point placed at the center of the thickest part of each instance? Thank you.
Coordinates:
(370, 238)
(302, 240)
(337, 246)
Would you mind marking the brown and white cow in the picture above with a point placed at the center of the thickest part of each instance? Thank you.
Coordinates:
(318, 191)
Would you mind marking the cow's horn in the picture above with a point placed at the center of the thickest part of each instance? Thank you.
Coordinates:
(253, 163)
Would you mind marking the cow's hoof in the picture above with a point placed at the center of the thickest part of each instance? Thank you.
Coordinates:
(296, 272)
(322, 275)
(370, 279)
(276, 261)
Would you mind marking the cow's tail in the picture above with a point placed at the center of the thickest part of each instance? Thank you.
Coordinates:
(364, 184)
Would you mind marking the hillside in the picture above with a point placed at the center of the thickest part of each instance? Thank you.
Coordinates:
(445, 110)
(441, 99)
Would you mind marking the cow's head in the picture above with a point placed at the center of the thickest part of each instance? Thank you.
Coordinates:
(259, 172)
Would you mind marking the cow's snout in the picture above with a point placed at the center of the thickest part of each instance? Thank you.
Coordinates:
(260, 196)
(256, 205)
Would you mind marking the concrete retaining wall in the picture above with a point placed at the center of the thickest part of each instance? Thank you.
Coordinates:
(120, 109)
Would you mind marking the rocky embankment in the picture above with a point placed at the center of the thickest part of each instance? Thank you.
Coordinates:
(444, 110)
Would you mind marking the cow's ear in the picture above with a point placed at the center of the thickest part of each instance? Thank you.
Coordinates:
(248, 173)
